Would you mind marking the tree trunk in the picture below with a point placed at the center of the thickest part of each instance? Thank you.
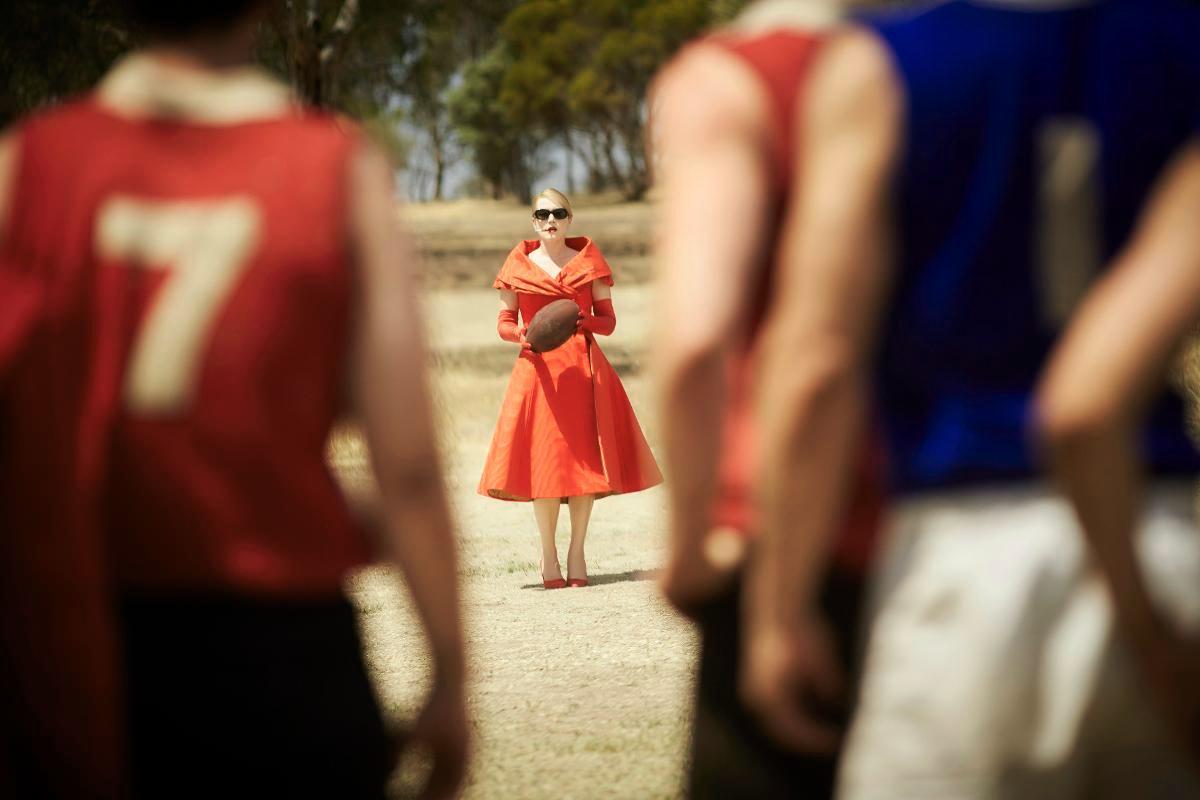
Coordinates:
(332, 48)
(520, 179)
(591, 160)
(570, 162)
(437, 141)
(439, 176)
(309, 66)
(313, 53)
(610, 156)
(638, 178)
(522, 185)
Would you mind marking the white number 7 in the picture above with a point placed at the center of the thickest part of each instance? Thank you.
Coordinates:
(206, 244)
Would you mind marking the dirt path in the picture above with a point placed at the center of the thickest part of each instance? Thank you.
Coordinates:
(576, 693)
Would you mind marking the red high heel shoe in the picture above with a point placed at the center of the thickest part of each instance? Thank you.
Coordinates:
(557, 583)
(577, 583)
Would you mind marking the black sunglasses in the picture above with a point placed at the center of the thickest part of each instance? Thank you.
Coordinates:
(544, 213)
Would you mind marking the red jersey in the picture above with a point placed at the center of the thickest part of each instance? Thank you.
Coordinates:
(59, 705)
(208, 216)
(780, 59)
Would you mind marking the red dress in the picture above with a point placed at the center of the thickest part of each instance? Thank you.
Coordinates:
(566, 426)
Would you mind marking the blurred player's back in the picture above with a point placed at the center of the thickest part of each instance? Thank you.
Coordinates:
(195, 263)
(1034, 134)
(726, 119)
(192, 228)
(1032, 138)
(211, 212)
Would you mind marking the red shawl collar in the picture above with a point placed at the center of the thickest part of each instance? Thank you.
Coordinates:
(519, 274)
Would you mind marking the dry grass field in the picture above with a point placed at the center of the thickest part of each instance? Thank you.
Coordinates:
(575, 693)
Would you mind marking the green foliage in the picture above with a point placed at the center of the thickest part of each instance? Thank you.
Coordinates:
(496, 142)
(341, 53)
(496, 80)
(415, 70)
(579, 71)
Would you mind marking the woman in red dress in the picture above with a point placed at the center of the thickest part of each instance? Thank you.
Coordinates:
(566, 433)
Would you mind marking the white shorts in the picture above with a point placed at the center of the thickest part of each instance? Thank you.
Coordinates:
(993, 669)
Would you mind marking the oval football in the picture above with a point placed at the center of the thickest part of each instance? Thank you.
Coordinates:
(552, 325)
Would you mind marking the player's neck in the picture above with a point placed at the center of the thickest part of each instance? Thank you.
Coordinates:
(206, 52)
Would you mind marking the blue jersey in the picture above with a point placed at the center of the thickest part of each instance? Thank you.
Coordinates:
(1034, 133)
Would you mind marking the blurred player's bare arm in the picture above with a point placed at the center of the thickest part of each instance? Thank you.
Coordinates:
(394, 401)
(10, 329)
(1091, 402)
(711, 120)
(811, 403)
(8, 158)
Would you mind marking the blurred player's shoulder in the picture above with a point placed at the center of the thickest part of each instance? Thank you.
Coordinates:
(704, 80)
(704, 92)
(143, 97)
(856, 67)
(715, 57)
(66, 126)
(741, 75)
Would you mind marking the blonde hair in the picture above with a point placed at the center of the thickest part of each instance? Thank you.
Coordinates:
(554, 196)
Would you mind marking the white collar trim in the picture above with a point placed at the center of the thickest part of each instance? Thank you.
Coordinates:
(768, 15)
(142, 86)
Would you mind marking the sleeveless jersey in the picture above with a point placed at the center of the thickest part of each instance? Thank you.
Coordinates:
(1034, 133)
(207, 233)
(780, 60)
(62, 726)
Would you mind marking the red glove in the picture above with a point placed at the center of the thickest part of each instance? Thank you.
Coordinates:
(506, 326)
(603, 322)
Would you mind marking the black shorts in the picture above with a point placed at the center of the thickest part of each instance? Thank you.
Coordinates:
(232, 697)
(731, 757)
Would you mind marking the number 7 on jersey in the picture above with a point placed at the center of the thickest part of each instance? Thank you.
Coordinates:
(205, 245)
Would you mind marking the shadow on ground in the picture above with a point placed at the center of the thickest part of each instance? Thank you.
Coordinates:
(615, 577)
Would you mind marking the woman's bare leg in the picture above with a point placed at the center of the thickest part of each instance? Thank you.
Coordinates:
(581, 513)
(545, 511)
